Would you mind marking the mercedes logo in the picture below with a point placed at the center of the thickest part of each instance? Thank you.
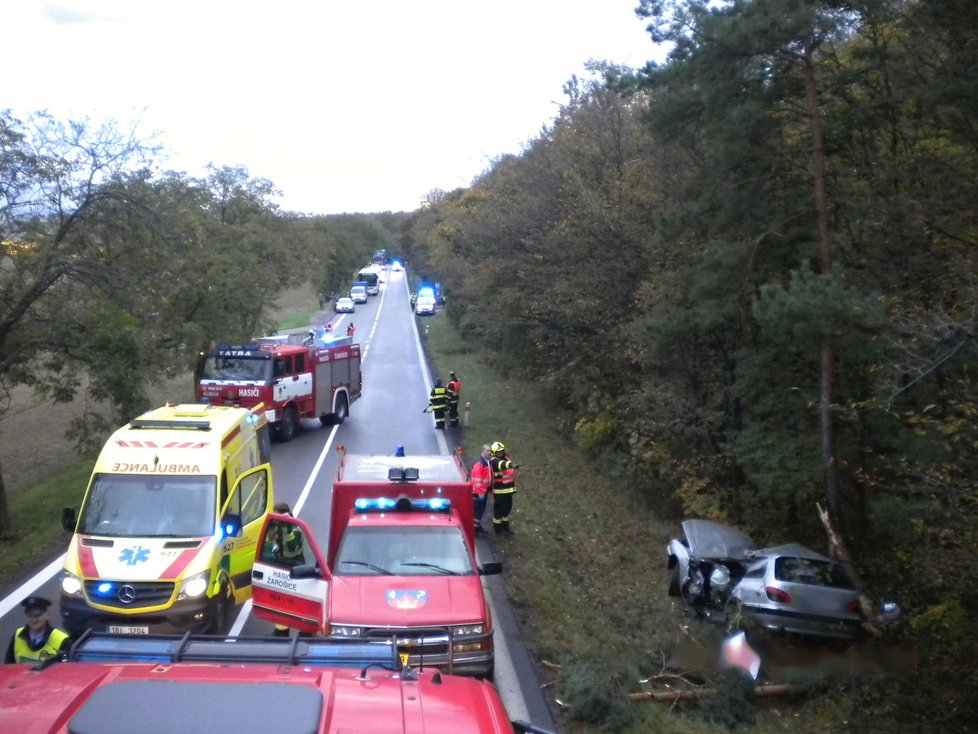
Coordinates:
(127, 594)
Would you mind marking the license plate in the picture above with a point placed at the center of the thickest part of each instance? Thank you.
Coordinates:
(128, 629)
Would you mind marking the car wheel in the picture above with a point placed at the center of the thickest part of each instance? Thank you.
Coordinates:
(287, 426)
(674, 581)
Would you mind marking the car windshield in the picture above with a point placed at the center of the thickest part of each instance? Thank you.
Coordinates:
(811, 571)
(150, 505)
(220, 367)
(403, 551)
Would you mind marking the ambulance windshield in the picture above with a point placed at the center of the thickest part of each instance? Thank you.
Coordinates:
(221, 367)
(150, 505)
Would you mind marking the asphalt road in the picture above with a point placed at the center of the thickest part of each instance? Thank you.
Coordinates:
(396, 381)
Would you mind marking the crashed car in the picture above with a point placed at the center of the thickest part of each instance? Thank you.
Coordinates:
(705, 565)
(792, 589)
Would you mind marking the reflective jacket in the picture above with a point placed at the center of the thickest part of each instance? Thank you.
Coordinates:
(24, 653)
(481, 477)
(438, 400)
(503, 476)
(454, 387)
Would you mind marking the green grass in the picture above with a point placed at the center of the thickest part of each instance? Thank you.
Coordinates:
(36, 535)
(296, 320)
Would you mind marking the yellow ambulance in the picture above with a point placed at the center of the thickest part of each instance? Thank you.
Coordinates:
(165, 537)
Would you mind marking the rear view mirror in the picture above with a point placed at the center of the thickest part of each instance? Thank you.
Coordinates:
(68, 519)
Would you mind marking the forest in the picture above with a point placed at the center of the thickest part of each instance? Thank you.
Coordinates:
(745, 278)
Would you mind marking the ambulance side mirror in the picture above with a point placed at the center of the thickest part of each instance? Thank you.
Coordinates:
(490, 568)
(68, 519)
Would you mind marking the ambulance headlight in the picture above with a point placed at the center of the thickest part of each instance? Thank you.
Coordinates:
(195, 586)
(71, 585)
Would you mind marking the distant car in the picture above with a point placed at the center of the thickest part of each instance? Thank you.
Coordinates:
(344, 305)
(793, 589)
(424, 305)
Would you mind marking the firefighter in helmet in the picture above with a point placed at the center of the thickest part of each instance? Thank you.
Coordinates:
(438, 403)
(454, 387)
(503, 487)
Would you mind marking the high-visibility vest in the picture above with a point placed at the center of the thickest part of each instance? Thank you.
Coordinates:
(23, 653)
(438, 399)
(481, 477)
(503, 476)
(454, 388)
(292, 545)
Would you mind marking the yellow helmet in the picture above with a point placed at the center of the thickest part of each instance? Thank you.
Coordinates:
(497, 447)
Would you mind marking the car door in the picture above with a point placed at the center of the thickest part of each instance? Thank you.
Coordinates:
(250, 501)
(290, 587)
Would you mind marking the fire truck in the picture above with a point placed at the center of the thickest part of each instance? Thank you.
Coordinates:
(116, 684)
(294, 381)
(400, 565)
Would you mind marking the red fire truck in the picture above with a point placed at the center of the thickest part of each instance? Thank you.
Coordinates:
(116, 684)
(400, 565)
(294, 381)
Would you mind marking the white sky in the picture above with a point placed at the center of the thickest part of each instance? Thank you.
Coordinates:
(350, 105)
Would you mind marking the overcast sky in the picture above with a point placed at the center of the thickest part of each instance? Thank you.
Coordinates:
(356, 105)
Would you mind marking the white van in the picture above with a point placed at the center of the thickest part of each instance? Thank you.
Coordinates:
(359, 292)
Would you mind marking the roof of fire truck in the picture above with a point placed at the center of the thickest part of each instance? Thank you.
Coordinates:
(300, 686)
(377, 468)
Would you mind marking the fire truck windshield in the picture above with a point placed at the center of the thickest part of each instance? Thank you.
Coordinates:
(238, 368)
(403, 551)
(150, 505)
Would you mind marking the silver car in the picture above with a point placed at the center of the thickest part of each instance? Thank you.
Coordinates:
(793, 589)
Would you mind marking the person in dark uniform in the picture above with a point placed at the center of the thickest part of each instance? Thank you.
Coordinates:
(503, 487)
(37, 640)
(438, 403)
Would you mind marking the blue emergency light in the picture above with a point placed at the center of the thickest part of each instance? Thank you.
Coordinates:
(401, 504)
(105, 588)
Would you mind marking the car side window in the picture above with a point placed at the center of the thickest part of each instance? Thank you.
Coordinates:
(756, 570)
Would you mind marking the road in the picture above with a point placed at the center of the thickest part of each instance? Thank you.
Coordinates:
(396, 381)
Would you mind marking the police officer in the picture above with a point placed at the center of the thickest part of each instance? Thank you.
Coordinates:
(37, 640)
(503, 487)
(438, 403)
(454, 387)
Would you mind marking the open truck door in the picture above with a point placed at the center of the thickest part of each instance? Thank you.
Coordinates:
(290, 579)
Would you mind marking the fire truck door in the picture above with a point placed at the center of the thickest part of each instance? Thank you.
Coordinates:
(324, 387)
(290, 580)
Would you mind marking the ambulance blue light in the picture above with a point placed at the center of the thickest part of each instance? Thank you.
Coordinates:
(104, 588)
(230, 529)
(426, 291)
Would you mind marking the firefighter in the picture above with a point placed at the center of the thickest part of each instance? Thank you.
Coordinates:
(481, 480)
(287, 548)
(437, 404)
(414, 300)
(503, 487)
(454, 387)
(37, 640)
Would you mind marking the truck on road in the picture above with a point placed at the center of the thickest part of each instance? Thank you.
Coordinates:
(116, 684)
(291, 380)
(399, 564)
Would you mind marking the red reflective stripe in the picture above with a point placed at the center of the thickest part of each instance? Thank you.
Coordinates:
(231, 436)
(174, 570)
(86, 562)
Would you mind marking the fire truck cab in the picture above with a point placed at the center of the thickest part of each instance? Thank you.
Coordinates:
(400, 565)
(117, 684)
(291, 380)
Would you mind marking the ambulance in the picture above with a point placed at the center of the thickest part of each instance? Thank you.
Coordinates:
(165, 537)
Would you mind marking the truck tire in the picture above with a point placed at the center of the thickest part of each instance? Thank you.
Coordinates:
(287, 426)
(342, 411)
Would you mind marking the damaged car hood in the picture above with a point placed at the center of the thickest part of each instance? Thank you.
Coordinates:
(708, 539)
